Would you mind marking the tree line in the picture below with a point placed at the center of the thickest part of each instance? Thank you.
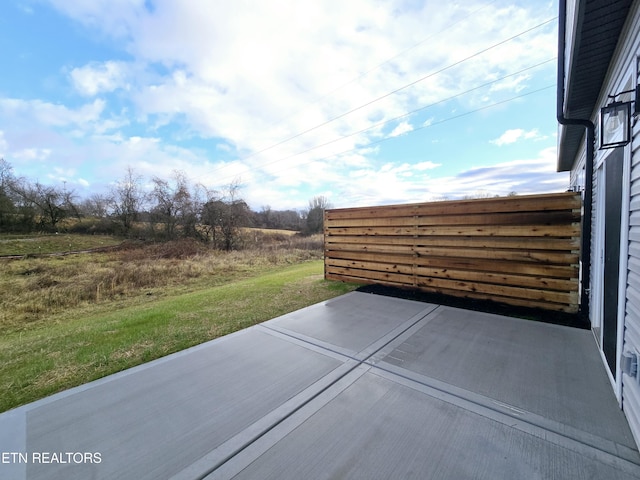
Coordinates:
(162, 209)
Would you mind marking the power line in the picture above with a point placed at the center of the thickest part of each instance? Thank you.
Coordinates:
(393, 92)
(388, 60)
(379, 124)
(445, 120)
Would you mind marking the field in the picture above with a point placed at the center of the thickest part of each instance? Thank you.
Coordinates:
(66, 320)
(53, 244)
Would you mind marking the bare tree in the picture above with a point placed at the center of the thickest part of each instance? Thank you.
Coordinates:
(289, 219)
(55, 205)
(284, 219)
(164, 209)
(7, 204)
(174, 205)
(225, 216)
(126, 199)
(15, 189)
(51, 204)
(207, 214)
(264, 218)
(97, 206)
(315, 214)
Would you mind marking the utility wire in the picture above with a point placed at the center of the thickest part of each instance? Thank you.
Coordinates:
(385, 122)
(445, 120)
(372, 69)
(393, 92)
(379, 124)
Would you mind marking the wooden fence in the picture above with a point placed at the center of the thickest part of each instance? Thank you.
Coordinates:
(521, 250)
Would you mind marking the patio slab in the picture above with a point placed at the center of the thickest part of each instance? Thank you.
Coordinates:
(361, 386)
(156, 420)
(381, 427)
(549, 370)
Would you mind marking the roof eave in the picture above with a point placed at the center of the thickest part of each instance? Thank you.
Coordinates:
(598, 25)
(570, 139)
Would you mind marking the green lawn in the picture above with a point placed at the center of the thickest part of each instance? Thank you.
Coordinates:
(62, 353)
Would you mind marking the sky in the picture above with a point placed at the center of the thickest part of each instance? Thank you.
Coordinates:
(365, 102)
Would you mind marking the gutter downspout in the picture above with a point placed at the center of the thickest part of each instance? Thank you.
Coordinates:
(585, 247)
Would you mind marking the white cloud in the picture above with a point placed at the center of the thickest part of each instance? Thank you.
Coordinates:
(116, 18)
(510, 136)
(32, 154)
(4, 146)
(425, 166)
(402, 127)
(286, 85)
(513, 84)
(524, 176)
(50, 114)
(513, 135)
(389, 184)
(256, 75)
(96, 78)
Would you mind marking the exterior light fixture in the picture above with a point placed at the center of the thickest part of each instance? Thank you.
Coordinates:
(615, 121)
(615, 124)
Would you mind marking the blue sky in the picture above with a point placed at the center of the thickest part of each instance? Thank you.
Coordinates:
(365, 102)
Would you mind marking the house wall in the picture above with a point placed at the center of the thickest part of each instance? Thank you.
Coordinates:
(623, 74)
(630, 386)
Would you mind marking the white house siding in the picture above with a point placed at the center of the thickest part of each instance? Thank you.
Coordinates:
(630, 386)
(623, 74)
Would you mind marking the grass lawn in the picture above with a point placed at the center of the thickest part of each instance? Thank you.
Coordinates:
(44, 244)
(66, 351)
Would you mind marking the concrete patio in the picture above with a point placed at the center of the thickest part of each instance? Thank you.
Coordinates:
(361, 386)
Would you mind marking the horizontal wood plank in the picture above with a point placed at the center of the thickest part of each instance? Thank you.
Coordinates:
(533, 243)
(533, 256)
(516, 250)
(499, 278)
(462, 285)
(530, 203)
(471, 264)
(567, 230)
(560, 307)
(513, 218)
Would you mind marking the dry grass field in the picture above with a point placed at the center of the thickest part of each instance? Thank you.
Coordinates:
(66, 320)
(34, 288)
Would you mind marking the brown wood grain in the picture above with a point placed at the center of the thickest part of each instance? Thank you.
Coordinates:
(516, 250)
